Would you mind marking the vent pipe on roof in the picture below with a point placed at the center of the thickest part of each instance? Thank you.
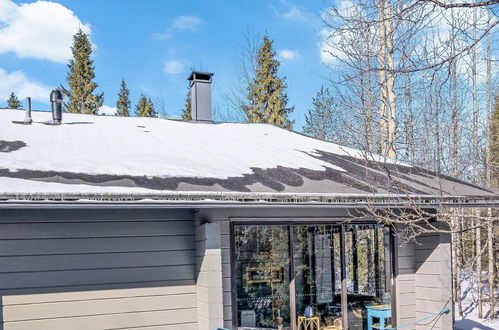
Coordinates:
(200, 85)
(27, 113)
(56, 100)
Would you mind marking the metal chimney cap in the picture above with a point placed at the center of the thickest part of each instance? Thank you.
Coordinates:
(199, 75)
(55, 95)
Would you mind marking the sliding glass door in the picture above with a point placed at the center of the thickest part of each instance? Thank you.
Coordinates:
(262, 276)
(284, 274)
(368, 263)
(317, 271)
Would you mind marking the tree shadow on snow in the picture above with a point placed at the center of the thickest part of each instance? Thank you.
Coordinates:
(470, 325)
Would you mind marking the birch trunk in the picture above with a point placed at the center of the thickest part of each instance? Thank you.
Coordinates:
(475, 102)
(488, 155)
(382, 78)
(492, 260)
(456, 265)
(478, 236)
(475, 165)
(438, 161)
(369, 114)
(390, 83)
(454, 118)
(409, 122)
(457, 247)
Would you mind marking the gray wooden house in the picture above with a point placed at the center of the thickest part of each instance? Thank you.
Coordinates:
(118, 223)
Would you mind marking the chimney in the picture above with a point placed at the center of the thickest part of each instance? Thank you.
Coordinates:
(200, 85)
(56, 100)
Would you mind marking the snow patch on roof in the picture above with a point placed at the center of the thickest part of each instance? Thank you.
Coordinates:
(21, 186)
(157, 147)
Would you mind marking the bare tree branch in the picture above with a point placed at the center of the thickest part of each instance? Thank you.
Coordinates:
(463, 4)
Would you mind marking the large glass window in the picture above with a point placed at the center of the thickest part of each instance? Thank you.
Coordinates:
(367, 252)
(317, 270)
(285, 273)
(262, 275)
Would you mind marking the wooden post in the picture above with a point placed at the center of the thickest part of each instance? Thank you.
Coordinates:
(292, 283)
(344, 294)
(332, 252)
(376, 264)
(355, 262)
(313, 289)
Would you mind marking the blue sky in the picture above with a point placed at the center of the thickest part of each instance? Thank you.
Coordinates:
(153, 44)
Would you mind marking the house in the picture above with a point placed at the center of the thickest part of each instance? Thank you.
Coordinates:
(114, 223)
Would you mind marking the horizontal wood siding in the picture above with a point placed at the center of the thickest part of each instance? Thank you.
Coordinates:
(226, 273)
(405, 283)
(209, 276)
(433, 280)
(97, 269)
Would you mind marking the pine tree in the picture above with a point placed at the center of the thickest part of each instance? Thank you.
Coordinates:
(81, 97)
(145, 107)
(187, 110)
(267, 99)
(319, 120)
(123, 103)
(13, 102)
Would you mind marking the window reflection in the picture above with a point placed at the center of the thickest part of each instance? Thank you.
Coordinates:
(267, 260)
(367, 252)
(317, 265)
(262, 266)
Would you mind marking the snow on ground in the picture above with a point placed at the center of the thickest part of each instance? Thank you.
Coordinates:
(470, 320)
(156, 147)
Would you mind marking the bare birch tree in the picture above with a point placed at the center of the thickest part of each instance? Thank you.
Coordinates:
(424, 58)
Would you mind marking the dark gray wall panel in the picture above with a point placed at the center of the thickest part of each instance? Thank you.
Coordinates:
(90, 268)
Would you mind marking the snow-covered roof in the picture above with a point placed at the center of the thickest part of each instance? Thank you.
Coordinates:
(99, 155)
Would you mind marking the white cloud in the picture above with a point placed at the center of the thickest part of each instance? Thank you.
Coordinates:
(347, 9)
(107, 110)
(327, 52)
(438, 38)
(180, 24)
(333, 44)
(187, 23)
(288, 54)
(174, 67)
(294, 14)
(22, 86)
(42, 30)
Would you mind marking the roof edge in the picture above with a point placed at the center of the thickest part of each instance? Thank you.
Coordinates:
(189, 199)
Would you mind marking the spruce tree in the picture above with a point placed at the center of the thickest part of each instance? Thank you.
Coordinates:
(187, 110)
(140, 106)
(319, 120)
(145, 107)
(81, 96)
(267, 99)
(13, 102)
(123, 103)
(150, 111)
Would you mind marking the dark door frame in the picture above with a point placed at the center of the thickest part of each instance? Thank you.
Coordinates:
(292, 288)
